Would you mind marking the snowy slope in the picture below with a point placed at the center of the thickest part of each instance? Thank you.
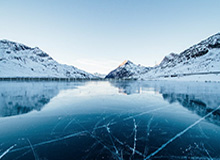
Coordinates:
(203, 57)
(201, 61)
(127, 70)
(18, 60)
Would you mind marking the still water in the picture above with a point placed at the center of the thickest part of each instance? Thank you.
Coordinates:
(109, 120)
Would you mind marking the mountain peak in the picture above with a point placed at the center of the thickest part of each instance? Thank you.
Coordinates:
(127, 70)
(13, 45)
(169, 58)
(125, 63)
(216, 35)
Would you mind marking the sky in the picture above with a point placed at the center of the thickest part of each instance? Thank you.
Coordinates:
(98, 35)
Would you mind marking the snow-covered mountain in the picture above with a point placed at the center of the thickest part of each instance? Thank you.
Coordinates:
(100, 75)
(127, 70)
(18, 60)
(200, 60)
(203, 57)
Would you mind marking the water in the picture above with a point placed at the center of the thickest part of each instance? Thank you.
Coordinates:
(109, 120)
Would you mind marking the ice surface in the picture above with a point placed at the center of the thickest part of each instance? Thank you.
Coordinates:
(156, 120)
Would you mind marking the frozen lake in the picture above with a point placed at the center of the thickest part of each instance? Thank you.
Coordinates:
(109, 120)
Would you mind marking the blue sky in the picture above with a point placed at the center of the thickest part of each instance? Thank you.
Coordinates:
(97, 35)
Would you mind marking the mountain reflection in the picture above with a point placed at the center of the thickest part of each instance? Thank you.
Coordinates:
(200, 98)
(127, 87)
(196, 105)
(22, 97)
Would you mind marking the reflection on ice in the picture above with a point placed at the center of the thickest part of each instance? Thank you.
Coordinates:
(22, 97)
(129, 87)
(201, 98)
(152, 120)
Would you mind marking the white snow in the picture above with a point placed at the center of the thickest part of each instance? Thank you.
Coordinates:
(18, 60)
(196, 78)
(127, 70)
(208, 63)
(200, 62)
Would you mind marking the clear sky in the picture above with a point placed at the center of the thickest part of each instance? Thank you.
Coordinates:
(97, 35)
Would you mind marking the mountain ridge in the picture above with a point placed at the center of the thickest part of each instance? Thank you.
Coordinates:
(19, 60)
(200, 58)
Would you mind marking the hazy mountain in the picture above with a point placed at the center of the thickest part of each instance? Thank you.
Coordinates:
(99, 75)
